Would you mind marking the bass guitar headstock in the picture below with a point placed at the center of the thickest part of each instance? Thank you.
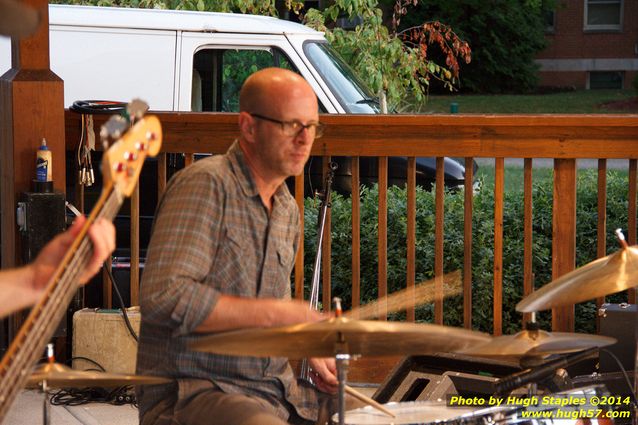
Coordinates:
(137, 136)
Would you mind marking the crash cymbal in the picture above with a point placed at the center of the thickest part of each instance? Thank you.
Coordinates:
(60, 376)
(321, 339)
(537, 343)
(607, 275)
(17, 19)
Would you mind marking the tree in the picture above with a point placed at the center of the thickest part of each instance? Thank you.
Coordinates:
(505, 36)
(379, 55)
(394, 62)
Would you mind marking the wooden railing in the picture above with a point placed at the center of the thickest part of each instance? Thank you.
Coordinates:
(563, 138)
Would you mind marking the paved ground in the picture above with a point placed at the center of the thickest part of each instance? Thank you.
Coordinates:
(28, 410)
(622, 164)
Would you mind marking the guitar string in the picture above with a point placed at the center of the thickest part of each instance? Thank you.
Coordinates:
(67, 280)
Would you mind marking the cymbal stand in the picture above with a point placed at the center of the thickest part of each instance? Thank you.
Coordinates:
(314, 291)
(46, 407)
(343, 361)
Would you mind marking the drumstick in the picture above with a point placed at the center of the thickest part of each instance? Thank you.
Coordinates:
(367, 400)
(422, 293)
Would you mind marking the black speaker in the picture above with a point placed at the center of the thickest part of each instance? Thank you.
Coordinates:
(619, 321)
(122, 275)
(434, 377)
(41, 217)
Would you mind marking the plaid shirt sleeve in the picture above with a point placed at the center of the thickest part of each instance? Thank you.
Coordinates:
(181, 253)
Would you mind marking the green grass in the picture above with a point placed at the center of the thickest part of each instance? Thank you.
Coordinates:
(574, 102)
(514, 176)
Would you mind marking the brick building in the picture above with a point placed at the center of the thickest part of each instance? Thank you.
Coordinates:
(593, 44)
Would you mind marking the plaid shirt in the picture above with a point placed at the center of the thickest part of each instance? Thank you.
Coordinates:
(212, 235)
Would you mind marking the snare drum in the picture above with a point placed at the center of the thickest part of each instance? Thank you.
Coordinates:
(554, 411)
(407, 413)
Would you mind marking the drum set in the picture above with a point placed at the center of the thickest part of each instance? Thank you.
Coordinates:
(541, 352)
(516, 399)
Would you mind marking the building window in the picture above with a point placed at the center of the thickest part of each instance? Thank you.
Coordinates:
(603, 15)
(549, 16)
(605, 80)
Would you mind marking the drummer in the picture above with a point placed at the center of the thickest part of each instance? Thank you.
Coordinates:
(220, 258)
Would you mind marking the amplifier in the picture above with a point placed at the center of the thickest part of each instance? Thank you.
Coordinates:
(102, 336)
(41, 216)
(619, 321)
(432, 377)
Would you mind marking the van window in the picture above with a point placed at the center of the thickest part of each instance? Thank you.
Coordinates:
(218, 75)
(352, 93)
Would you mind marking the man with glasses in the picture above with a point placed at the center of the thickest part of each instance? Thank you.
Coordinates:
(220, 258)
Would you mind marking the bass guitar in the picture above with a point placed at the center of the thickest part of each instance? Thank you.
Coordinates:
(121, 167)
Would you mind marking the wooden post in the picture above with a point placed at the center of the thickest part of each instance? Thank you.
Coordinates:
(31, 108)
(564, 234)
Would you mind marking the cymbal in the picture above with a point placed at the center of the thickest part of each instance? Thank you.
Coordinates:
(17, 19)
(607, 275)
(537, 343)
(60, 376)
(321, 339)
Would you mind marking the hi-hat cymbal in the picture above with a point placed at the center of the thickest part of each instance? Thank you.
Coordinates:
(537, 343)
(17, 19)
(321, 339)
(607, 275)
(60, 376)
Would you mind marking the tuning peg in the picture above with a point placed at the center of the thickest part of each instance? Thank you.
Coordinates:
(136, 109)
(130, 156)
(113, 128)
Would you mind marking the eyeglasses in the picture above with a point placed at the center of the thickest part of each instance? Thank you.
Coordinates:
(293, 128)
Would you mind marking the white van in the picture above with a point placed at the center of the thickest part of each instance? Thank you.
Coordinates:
(197, 61)
(183, 61)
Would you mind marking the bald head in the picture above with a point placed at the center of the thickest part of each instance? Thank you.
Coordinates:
(266, 88)
(277, 125)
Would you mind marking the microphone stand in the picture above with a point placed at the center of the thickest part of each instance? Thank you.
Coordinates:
(509, 383)
(321, 224)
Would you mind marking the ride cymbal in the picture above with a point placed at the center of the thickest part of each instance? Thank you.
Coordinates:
(60, 376)
(537, 343)
(340, 335)
(607, 275)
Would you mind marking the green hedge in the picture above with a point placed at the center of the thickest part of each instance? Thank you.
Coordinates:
(482, 241)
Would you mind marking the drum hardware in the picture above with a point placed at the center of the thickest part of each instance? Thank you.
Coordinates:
(507, 384)
(604, 276)
(618, 383)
